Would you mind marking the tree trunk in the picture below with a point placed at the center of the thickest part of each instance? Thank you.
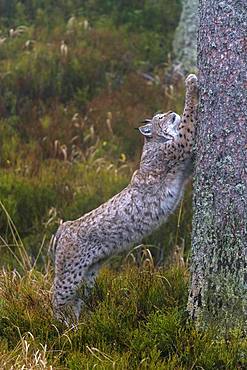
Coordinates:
(184, 44)
(218, 292)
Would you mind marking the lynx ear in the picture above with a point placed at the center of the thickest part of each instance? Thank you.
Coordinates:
(146, 130)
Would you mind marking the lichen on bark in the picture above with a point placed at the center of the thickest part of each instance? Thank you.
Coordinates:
(218, 292)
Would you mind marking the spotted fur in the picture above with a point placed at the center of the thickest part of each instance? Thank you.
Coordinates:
(153, 194)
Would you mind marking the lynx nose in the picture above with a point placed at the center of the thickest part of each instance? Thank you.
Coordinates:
(175, 119)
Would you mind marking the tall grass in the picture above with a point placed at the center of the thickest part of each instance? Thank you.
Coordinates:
(16, 248)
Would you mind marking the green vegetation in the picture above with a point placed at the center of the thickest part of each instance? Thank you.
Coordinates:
(134, 320)
(67, 144)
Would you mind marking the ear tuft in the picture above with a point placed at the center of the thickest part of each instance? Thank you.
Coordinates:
(146, 130)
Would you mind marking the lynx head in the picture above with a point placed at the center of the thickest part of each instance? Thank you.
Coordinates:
(161, 141)
(162, 129)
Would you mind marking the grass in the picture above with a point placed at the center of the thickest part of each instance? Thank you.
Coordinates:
(135, 319)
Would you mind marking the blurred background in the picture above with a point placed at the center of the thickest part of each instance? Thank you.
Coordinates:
(76, 78)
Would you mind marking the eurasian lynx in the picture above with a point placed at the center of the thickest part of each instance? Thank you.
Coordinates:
(152, 195)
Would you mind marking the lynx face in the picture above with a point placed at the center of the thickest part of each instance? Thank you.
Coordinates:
(162, 128)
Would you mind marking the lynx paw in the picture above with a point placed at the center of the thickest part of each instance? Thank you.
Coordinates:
(191, 81)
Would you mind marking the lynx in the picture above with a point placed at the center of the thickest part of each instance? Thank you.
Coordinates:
(153, 194)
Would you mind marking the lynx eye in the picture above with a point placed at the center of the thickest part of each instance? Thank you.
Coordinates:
(165, 138)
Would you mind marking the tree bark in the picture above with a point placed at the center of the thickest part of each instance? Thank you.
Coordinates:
(185, 44)
(218, 292)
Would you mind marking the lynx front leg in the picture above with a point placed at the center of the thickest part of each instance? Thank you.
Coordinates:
(187, 126)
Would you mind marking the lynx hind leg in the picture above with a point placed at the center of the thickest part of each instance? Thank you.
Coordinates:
(90, 277)
(66, 300)
(69, 293)
(67, 288)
